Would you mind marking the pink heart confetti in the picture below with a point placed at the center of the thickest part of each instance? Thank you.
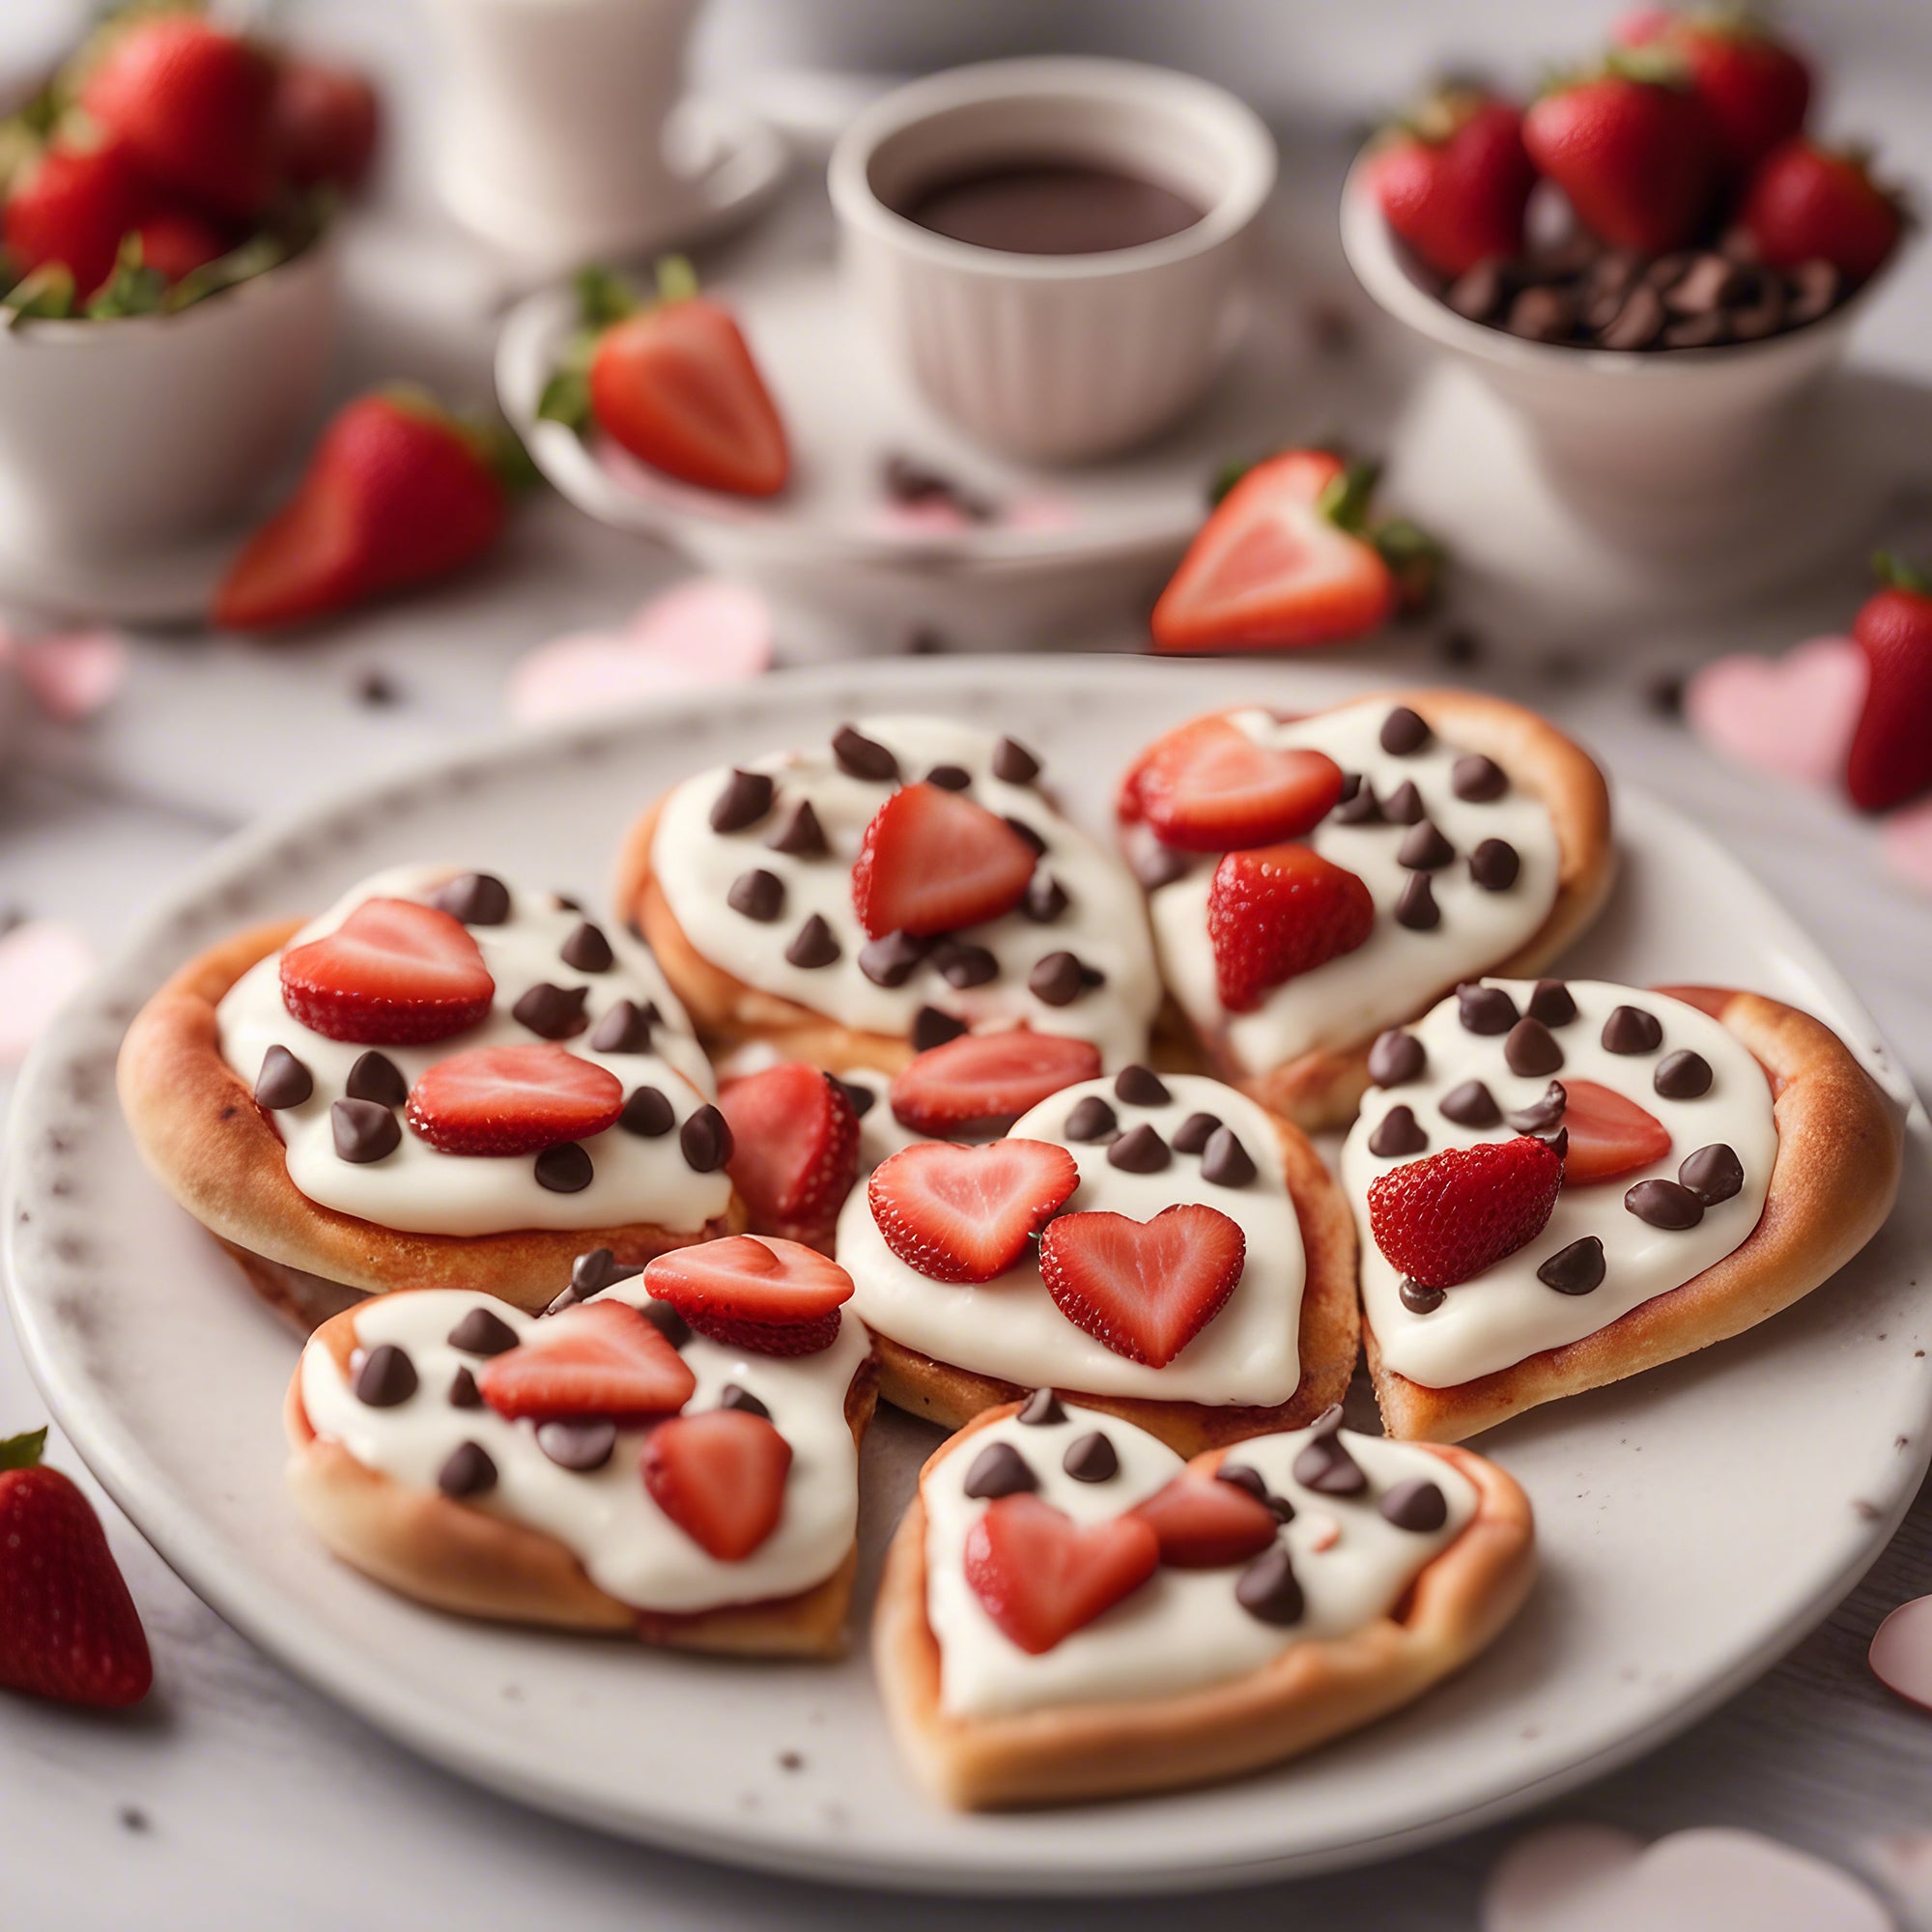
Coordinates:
(42, 961)
(1906, 839)
(1547, 1873)
(1793, 716)
(71, 673)
(1901, 1652)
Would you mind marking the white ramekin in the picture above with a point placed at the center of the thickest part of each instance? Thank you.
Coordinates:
(1054, 358)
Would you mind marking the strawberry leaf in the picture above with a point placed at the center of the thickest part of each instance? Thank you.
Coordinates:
(23, 1452)
(1414, 558)
(46, 294)
(1345, 502)
(133, 289)
(603, 297)
(566, 399)
(1896, 574)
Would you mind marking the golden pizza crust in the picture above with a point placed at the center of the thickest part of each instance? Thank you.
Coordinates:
(1310, 1694)
(1839, 1147)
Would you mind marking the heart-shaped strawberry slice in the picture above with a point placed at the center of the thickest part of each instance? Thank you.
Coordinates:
(721, 1477)
(1146, 1289)
(932, 862)
(599, 1358)
(1208, 788)
(513, 1100)
(1040, 1575)
(392, 973)
(1205, 1524)
(755, 1291)
(1610, 1134)
(966, 1213)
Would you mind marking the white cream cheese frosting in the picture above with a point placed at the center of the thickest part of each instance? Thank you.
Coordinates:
(606, 1517)
(1397, 968)
(417, 1189)
(1506, 1313)
(1009, 1328)
(1103, 923)
(1182, 1630)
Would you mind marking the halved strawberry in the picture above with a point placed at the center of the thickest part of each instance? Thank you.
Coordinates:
(1207, 786)
(392, 973)
(1610, 1134)
(964, 1214)
(721, 1477)
(1205, 1524)
(1278, 912)
(1040, 1575)
(513, 1100)
(600, 1358)
(795, 1148)
(751, 1291)
(1143, 1288)
(1446, 1218)
(983, 1081)
(933, 861)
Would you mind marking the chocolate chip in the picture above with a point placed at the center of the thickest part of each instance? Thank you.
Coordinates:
(758, 894)
(577, 1442)
(1141, 1086)
(625, 1029)
(466, 1471)
(1712, 1173)
(563, 902)
(1267, 1590)
(1092, 1458)
(1243, 1476)
(1397, 1133)
(363, 1131)
(1815, 290)
(1396, 1059)
(482, 1333)
(666, 1320)
(1092, 1120)
(1327, 1468)
(568, 1298)
(932, 1027)
(283, 1081)
(1494, 864)
(564, 1169)
(1194, 1132)
(1403, 732)
(464, 1392)
(1057, 979)
(1153, 863)
(1698, 331)
(1637, 323)
(1041, 1410)
(949, 778)
(1044, 900)
(1483, 1009)
(1139, 1151)
(588, 949)
(1014, 764)
(1551, 1004)
(1226, 1162)
(598, 1268)
(646, 1113)
(384, 1377)
(552, 1012)
(961, 964)
(862, 1098)
(1709, 282)
(731, 1396)
(476, 898)
(1480, 293)
(1470, 1104)
(999, 1469)
(1415, 1504)
(1632, 1030)
(1543, 1114)
(1424, 850)
(377, 1077)
(1531, 1048)
(1682, 1075)
(889, 961)
(798, 833)
(1478, 779)
(1415, 907)
(1576, 1269)
(1026, 834)
(1421, 1300)
(1404, 805)
(860, 757)
(1361, 807)
(812, 945)
(705, 1141)
(746, 799)
(1664, 1203)
(1543, 315)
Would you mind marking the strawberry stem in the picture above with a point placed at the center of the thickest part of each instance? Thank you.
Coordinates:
(23, 1452)
(676, 279)
(1345, 502)
(1896, 574)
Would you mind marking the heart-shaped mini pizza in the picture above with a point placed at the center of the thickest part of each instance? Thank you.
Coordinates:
(445, 1080)
(1163, 1244)
(1069, 1612)
(1560, 1183)
(1312, 880)
(675, 1456)
(908, 881)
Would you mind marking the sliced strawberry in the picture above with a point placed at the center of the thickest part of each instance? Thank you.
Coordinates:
(1279, 912)
(964, 1214)
(1040, 1575)
(1270, 570)
(1891, 759)
(932, 862)
(394, 972)
(751, 1291)
(1145, 1288)
(1208, 788)
(513, 1100)
(600, 1358)
(1609, 1134)
(983, 1081)
(795, 1148)
(721, 1477)
(1205, 1524)
(1447, 1218)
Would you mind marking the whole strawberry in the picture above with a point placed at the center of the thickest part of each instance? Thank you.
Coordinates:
(1453, 179)
(72, 204)
(68, 1629)
(1892, 750)
(1445, 1219)
(1755, 88)
(326, 125)
(1806, 204)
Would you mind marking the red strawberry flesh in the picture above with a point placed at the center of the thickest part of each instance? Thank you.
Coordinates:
(1609, 1134)
(775, 1298)
(933, 861)
(795, 1148)
(394, 972)
(1040, 1576)
(983, 1083)
(1210, 788)
(600, 1358)
(1890, 758)
(1205, 1524)
(721, 1477)
(513, 1100)
(1143, 1288)
(963, 1213)
(1444, 1219)
(1277, 913)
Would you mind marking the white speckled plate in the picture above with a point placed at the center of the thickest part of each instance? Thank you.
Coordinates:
(1694, 1522)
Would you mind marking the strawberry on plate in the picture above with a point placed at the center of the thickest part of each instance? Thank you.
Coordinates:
(1892, 750)
(981, 1083)
(513, 1100)
(1205, 1524)
(394, 972)
(795, 1148)
(1279, 912)
(1609, 1134)
(68, 1629)
(600, 1358)
(1040, 1575)
(753, 1292)
(1143, 1288)
(1453, 180)
(1207, 786)
(1446, 1218)
(721, 1477)
(966, 1213)
(73, 204)
(933, 861)
(1754, 87)
(325, 124)
(1809, 204)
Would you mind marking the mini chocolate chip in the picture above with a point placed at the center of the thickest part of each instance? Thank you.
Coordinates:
(1664, 1203)
(1092, 1120)
(1327, 1468)
(1092, 975)
(1551, 1004)
(1404, 733)
(1638, 323)
(1494, 864)
(625, 1029)
(568, 1298)
(1328, 1422)
(1226, 1162)
(577, 1443)
(1056, 979)
(1698, 331)
(705, 1141)
(1397, 1058)
(1027, 835)
(1480, 293)
(1421, 1300)
(1531, 1048)
(962, 964)
(464, 1392)
(466, 1471)
(1543, 1114)
(1576, 1269)
(1470, 1104)
(1041, 1410)
(363, 1131)
(1417, 907)
(746, 799)
(1424, 850)
(563, 902)
(812, 945)
(1483, 1009)
(666, 1320)
(597, 1268)
(1014, 764)
(647, 1113)
(889, 961)
(1361, 807)
(1092, 1458)
(798, 833)
(1192, 1134)
(1682, 1075)
(588, 949)
(283, 1081)
(1141, 1086)
(758, 894)
(1415, 1504)
(999, 1469)
(1139, 1151)
(482, 1333)
(1404, 805)
(949, 778)
(862, 757)
(1632, 1030)
(1398, 1133)
(1153, 863)
(1712, 1173)
(932, 1026)
(862, 1098)
(384, 1377)
(1267, 1590)
(1543, 315)
(1815, 287)
(552, 1012)
(731, 1396)
(476, 898)
(1478, 779)
(377, 1077)
(564, 1169)
(1044, 900)
(1243, 1476)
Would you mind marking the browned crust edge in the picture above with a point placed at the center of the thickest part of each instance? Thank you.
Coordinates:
(1459, 1601)
(1840, 1144)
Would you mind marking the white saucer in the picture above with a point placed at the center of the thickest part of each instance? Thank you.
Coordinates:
(1694, 1522)
(162, 588)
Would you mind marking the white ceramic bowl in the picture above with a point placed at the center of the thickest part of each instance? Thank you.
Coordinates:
(1066, 357)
